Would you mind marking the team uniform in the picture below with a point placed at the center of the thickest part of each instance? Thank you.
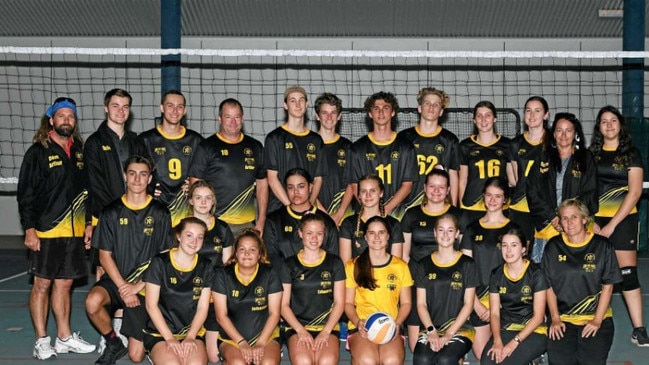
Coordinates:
(312, 289)
(105, 154)
(172, 157)
(516, 310)
(438, 148)
(393, 161)
(51, 199)
(576, 273)
(482, 162)
(285, 150)
(390, 278)
(247, 304)
(524, 153)
(232, 169)
(483, 241)
(348, 231)
(613, 186)
(332, 191)
(282, 238)
(445, 286)
(421, 224)
(180, 291)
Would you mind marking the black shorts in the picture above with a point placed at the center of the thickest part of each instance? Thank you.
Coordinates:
(210, 322)
(113, 292)
(149, 340)
(413, 316)
(625, 236)
(59, 258)
(134, 320)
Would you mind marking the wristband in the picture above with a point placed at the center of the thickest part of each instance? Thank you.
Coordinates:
(240, 341)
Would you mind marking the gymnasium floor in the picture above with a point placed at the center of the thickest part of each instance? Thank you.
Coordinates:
(16, 336)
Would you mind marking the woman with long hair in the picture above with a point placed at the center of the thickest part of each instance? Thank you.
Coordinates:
(247, 296)
(313, 298)
(517, 297)
(620, 174)
(376, 282)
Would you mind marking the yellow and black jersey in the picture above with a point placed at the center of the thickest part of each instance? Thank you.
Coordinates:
(133, 234)
(483, 241)
(525, 154)
(435, 149)
(312, 288)
(104, 155)
(247, 302)
(390, 278)
(333, 189)
(180, 290)
(282, 238)
(613, 180)
(348, 231)
(482, 162)
(218, 236)
(51, 190)
(284, 150)
(576, 273)
(445, 285)
(579, 181)
(232, 169)
(517, 295)
(421, 224)
(172, 157)
(393, 161)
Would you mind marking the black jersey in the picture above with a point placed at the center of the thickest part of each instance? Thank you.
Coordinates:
(284, 150)
(247, 304)
(133, 234)
(613, 180)
(524, 153)
(439, 148)
(393, 161)
(517, 295)
(180, 290)
(484, 243)
(172, 157)
(421, 225)
(333, 188)
(218, 236)
(483, 162)
(312, 288)
(104, 155)
(576, 273)
(282, 238)
(348, 231)
(445, 285)
(232, 169)
(51, 190)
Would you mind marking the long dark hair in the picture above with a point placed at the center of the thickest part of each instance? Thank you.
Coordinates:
(550, 144)
(546, 109)
(484, 104)
(363, 273)
(624, 151)
(515, 231)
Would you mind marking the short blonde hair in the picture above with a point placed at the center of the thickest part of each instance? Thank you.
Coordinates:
(446, 100)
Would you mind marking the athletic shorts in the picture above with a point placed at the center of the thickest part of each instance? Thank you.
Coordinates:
(210, 322)
(59, 258)
(625, 236)
(150, 341)
(134, 320)
(113, 292)
(413, 316)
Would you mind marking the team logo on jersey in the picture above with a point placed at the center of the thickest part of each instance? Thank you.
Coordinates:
(500, 153)
(526, 292)
(576, 171)
(260, 298)
(187, 150)
(148, 225)
(247, 152)
(160, 150)
(617, 164)
(474, 153)
(439, 149)
(370, 156)
(310, 152)
(392, 285)
(325, 282)
(198, 287)
(545, 166)
(395, 155)
(522, 151)
(590, 265)
(218, 248)
(341, 157)
(456, 281)
(422, 223)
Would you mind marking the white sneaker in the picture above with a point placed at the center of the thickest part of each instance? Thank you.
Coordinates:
(102, 345)
(43, 349)
(74, 343)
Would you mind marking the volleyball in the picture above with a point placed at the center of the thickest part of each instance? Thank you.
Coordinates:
(381, 328)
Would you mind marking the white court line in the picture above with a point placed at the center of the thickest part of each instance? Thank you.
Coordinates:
(13, 277)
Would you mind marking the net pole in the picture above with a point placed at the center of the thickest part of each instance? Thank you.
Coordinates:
(170, 38)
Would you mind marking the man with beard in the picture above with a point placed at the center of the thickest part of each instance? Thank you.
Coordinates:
(51, 203)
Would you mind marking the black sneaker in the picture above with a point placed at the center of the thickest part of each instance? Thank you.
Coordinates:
(112, 353)
(639, 337)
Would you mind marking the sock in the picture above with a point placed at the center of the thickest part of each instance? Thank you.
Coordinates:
(111, 338)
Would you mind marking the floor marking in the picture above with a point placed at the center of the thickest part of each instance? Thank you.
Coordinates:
(13, 277)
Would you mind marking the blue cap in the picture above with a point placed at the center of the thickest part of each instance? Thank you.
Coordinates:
(60, 103)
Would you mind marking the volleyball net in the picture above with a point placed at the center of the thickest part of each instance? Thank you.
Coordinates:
(577, 82)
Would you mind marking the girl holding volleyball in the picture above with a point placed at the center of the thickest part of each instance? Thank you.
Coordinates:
(376, 282)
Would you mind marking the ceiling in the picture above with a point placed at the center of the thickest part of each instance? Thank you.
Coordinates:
(315, 18)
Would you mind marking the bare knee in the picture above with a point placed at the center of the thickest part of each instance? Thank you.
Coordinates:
(41, 285)
(327, 359)
(95, 301)
(301, 359)
(135, 350)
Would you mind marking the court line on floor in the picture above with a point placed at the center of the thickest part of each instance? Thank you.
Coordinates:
(13, 277)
